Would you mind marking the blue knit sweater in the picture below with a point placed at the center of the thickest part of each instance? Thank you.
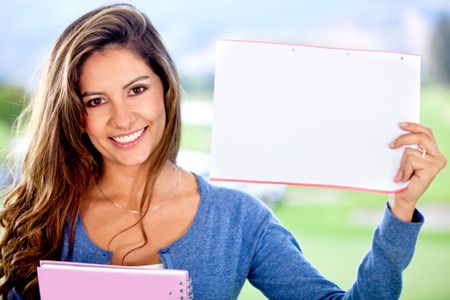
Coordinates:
(234, 237)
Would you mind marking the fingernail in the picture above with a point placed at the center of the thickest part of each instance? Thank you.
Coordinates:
(392, 144)
(404, 123)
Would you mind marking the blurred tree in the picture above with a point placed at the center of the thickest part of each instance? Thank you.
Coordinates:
(12, 101)
(440, 50)
(197, 85)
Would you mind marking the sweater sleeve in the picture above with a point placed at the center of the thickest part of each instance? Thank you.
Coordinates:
(280, 270)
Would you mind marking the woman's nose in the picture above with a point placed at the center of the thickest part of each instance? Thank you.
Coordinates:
(122, 117)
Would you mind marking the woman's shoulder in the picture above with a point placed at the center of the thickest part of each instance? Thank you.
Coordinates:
(226, 210)
(226, 200)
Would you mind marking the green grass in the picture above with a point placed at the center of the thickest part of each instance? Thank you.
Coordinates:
(435, 110)
(196, 138)
(5, 138)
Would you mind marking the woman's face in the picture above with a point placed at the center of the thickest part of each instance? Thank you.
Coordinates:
(124, 100)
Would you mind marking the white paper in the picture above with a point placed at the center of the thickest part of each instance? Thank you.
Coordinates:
(311, 116)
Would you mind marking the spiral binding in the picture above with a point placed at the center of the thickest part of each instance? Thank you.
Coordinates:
(189, 289)
(190, 294)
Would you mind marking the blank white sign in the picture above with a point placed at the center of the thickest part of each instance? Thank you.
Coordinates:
(304, 115)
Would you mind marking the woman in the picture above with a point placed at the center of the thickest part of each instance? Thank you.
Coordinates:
(100, 183)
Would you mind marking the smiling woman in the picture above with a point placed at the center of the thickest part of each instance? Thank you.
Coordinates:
(125, 116)
(100, 182)
(107, 115)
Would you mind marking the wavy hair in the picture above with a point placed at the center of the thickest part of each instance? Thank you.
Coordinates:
(60, 162)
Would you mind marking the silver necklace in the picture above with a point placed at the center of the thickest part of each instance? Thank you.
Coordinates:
(153, 208)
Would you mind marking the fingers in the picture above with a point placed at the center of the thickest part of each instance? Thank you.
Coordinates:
(420, 139)
(417, 128)
(414, 161)
(421, 136)
(416, 166)
(411, 164)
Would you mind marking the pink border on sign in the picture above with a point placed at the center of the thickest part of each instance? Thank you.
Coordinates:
(315, 46)
(312, 184)
(339, 187)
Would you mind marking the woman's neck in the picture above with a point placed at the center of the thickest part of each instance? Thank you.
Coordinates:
(129, 181)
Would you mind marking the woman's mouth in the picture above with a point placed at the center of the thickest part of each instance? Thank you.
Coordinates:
(129, 140)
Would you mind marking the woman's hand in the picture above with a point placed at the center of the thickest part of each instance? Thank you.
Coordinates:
(420, 166)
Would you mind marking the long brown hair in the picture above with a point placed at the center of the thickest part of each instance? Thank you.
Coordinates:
(60, 162)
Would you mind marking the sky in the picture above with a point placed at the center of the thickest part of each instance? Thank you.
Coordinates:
(190, 28)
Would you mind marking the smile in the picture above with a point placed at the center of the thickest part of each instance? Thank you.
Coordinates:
(130, 138)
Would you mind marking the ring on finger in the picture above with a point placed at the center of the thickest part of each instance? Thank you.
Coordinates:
(423, 150)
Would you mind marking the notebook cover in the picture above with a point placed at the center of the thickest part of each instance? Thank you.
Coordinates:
(70, 281)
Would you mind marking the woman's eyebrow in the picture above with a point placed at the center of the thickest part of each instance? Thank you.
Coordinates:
(124, 87)
(91, 94)
(134, 80)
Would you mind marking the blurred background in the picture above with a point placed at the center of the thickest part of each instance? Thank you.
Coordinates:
(333, 227)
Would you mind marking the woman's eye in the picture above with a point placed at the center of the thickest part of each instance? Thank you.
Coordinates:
(94, 102)
(137, 90)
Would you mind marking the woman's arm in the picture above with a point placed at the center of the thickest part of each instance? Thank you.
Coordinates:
(281, 271)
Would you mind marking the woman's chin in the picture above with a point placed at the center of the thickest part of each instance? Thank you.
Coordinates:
(129, 161)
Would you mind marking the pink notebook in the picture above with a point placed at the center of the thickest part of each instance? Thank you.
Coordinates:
(67, 280)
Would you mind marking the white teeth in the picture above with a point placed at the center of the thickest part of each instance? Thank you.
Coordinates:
(128, 138)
